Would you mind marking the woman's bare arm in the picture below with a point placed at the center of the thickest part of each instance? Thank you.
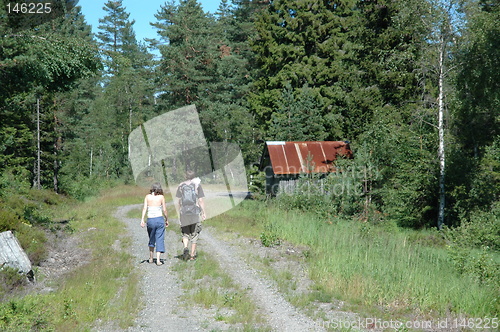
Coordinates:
(144, 209)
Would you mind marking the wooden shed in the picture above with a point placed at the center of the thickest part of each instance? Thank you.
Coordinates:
(283, 160)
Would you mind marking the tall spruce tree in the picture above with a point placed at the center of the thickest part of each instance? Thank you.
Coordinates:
(315, 44)
(297, 118)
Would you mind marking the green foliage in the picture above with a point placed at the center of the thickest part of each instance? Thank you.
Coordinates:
(52, 61)
(405, 187)
(482, 230)
(353, 55)
(476, 115)
(270, 236)
(15, 179)
(27, 215)
(81, 187)
(36, 64)
(338, 194)
(474, 246)
(256, 182)
(10, 280)
(189, 64)
(298, 117)
(481, 264)
(209, 66)
(118, 41)
(27, 314)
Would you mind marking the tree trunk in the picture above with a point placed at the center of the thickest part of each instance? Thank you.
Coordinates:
(91, 161)
(441, 151)
(57, 147)
(37, 181)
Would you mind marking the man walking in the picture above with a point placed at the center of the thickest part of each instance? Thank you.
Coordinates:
(191, 205)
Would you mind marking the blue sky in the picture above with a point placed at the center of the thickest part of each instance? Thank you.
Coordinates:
(142, 11)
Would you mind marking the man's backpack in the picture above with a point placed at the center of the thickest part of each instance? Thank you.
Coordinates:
(189, 199)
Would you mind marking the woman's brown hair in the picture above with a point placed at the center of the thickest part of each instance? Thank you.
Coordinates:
(156, 189)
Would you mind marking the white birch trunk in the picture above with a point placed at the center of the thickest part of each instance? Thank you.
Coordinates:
(91, 161)
(441, 151)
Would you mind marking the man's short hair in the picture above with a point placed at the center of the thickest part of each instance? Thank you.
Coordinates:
(190, 175)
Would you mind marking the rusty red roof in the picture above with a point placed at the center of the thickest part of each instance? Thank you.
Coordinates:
(305, 157)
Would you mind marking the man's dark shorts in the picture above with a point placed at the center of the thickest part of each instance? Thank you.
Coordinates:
(191, 232)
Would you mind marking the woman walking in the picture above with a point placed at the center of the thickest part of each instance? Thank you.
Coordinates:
(154, 205)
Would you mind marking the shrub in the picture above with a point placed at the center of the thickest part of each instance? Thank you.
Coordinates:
(482, 230)
(257, 183)
(10, 279)
(27, 314)
(332, 195)
(14, 180)
(473, 247)
(33, 241)
(8, 219)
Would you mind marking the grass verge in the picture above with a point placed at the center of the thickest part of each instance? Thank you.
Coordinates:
(103, 289)
(381, 270)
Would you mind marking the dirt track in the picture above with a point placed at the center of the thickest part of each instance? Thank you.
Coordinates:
(162, 292)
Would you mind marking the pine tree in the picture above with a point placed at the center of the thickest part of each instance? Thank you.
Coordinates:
(189, 49)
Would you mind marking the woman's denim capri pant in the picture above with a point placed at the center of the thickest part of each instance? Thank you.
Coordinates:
(156, 232)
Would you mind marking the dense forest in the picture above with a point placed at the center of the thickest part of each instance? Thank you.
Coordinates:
(413, 85)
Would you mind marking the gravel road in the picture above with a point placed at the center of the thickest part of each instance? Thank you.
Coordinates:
(162, 292)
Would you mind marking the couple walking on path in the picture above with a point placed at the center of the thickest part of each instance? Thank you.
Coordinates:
(190, 202)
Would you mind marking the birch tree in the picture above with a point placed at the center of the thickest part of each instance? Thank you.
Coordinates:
(444, 22)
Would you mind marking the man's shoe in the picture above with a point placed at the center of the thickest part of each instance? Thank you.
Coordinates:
(185, 255)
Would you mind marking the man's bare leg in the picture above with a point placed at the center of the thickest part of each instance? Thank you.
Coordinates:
(185, 241)
(193, 250)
